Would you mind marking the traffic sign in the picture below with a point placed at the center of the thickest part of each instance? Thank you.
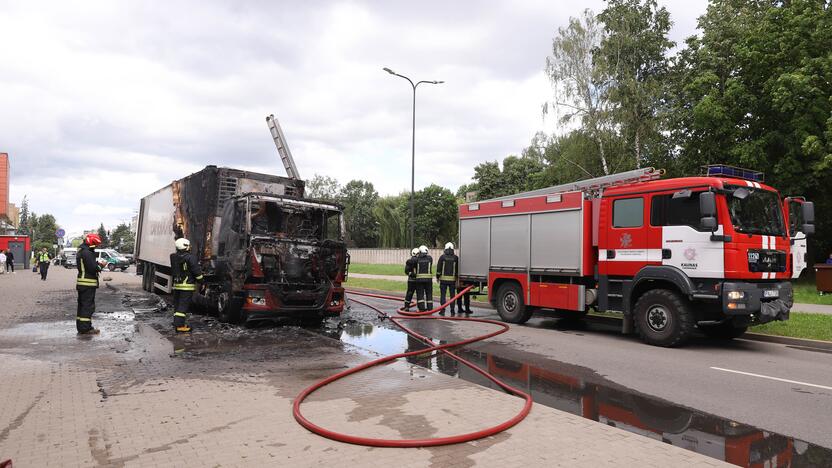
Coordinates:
(60, 233)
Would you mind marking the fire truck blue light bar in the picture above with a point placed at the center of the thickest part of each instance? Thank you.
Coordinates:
(720, 170)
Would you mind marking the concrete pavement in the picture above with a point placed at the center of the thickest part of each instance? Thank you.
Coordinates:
(138, 396)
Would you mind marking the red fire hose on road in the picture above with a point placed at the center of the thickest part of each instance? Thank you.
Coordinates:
(405, 314)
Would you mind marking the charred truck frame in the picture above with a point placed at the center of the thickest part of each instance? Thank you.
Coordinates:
(715, 252)
(266, 252)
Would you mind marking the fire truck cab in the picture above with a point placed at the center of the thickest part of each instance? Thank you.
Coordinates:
(715, 252)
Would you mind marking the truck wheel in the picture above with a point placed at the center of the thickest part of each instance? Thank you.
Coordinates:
(724, 331)
(663, 318)
(510, 304)
(228, 307)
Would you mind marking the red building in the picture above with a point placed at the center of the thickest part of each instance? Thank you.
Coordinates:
(4, 186)
(20, 247)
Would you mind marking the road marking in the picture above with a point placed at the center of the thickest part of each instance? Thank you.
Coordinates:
(773, 378)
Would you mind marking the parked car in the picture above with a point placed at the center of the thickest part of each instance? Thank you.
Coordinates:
(68, 257)
(112, 260)
(130, 257)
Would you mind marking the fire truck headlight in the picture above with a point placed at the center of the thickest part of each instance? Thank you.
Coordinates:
(736, 295)
(256, 298)
(736, 306)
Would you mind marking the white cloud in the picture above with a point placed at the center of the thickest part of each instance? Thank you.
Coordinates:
(103, 103)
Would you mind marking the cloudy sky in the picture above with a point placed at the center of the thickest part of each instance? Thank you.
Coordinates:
(104, 102)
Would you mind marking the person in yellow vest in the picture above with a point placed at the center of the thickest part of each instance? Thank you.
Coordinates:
(43, 263)
(185, 271)
(86, 284)
(447, 272)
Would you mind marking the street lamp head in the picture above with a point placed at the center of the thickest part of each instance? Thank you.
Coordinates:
(389, 71)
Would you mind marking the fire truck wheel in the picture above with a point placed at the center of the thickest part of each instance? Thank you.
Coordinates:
(663, 318)
(724, 331)
(228, 306)
(510, 304)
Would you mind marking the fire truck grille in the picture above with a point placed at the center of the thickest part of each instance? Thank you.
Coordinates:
(766, 260)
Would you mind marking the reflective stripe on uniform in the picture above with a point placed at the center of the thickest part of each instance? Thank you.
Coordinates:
(200, 277)
(179, 314)
(83, 319)
(447, 278)
(83, 280)
(184, 287)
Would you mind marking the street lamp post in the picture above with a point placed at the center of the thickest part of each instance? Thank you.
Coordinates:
(412, 150)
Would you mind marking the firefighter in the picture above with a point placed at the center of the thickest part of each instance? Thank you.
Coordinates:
(43, 263)
(410, 271)
(447, 274)
(186, 272)
(86, 284)
(424, 279)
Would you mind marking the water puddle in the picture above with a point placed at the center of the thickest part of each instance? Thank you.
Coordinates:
(561, 386)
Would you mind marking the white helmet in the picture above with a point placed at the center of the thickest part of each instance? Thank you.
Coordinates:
(182, 244)
(423, 249)
(414, 252)
(449, 245)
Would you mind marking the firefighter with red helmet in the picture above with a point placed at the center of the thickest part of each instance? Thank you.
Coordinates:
(86, 284)
(186, 272)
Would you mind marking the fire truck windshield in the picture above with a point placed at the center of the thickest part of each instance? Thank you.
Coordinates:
(757, 212)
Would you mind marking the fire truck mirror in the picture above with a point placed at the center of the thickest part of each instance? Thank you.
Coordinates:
(808, 212)
(707, 205)
(708, 223)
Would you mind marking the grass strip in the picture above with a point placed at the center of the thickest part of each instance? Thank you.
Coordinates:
(799, 325)
(371, 269)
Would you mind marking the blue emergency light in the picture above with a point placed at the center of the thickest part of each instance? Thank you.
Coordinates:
(721, 170)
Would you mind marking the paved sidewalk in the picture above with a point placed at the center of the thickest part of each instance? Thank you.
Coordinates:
(125, 398)
(812, 308)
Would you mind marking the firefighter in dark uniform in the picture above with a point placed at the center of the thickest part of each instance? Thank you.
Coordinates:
(86, 284)
(185, 271)
(424, 279)
(447, 274)
(410, 271)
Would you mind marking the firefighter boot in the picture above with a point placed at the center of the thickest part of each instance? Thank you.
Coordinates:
(183, 329)
(91, 331)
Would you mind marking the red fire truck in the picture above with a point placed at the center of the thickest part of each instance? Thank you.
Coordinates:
(714, 252)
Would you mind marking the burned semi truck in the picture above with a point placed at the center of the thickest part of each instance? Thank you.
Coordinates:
(266, 251)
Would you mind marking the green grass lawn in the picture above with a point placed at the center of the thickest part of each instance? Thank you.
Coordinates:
(799, 325)
(370, 269)
(384, 285)
(806, 293)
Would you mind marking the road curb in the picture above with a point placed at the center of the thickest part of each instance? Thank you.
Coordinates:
(788, 340)
(784, 340)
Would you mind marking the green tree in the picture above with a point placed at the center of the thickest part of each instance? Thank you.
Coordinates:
(359, 198)
(105, 239)
(633, 54)
(580, 85)
(43, 229)
(436, 214)
(323, 188)
(122, 238)
(390, 213)
(754, 89)
(23, 225)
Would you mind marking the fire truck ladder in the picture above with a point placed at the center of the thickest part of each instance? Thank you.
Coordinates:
(598, 183)
(282, 147)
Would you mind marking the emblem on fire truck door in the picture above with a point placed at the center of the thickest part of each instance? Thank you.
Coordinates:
(690, 256)
(626, 240)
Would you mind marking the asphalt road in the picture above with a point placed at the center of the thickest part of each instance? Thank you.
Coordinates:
(773, 387)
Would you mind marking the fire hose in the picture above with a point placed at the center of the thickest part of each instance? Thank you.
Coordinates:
(431, 349)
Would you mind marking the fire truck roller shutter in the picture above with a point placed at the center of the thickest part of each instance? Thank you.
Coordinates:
(474, 241)
(557, 241)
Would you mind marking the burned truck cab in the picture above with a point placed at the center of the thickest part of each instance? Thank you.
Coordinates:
(279, 256)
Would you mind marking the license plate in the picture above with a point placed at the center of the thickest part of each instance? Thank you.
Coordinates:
(753, 257)
(771, 293)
